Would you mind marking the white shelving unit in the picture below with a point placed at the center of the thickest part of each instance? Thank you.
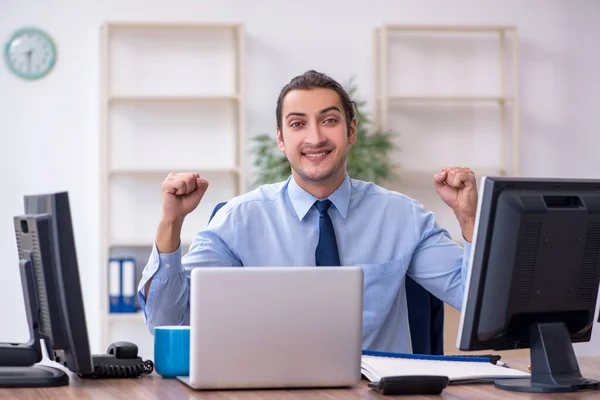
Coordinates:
(171, 99)
(450, 94)
(461, 72)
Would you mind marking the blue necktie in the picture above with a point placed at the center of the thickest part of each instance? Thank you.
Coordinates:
(327, 251)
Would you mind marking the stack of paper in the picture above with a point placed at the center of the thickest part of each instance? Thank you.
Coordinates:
(374, 368)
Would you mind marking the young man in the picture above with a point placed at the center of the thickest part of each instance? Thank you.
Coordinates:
(319, 216)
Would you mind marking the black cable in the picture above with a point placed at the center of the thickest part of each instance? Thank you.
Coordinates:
(118, 369)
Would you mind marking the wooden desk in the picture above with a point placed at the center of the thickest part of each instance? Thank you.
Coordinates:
(155, 387)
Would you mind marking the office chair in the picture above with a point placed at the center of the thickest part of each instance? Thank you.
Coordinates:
(425, 315)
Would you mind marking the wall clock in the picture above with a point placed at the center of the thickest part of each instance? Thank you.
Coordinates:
(30, 53)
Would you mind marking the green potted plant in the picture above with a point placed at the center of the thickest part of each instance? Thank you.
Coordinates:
(369, 159)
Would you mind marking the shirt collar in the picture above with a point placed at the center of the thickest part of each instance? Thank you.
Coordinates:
(302, 201)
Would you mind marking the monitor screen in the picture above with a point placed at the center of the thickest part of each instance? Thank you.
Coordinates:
(534, 272)
(63, 289)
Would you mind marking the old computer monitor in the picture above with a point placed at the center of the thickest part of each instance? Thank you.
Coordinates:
(533, 276)
(53, 298)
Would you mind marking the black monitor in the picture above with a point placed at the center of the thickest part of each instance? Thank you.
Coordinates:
(53, 298)
(533, 277)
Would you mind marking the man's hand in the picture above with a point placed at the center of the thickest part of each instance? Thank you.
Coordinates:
(181, 194)
(457, 187)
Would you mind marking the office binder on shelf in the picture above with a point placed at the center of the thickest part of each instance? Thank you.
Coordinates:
(128, 288)
(114, 285)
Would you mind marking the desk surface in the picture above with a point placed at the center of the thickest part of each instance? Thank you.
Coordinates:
(155, 387)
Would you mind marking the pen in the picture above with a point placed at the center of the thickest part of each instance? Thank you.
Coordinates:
(502, 364)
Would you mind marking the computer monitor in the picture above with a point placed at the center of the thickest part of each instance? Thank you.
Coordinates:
(533, 276)
(70, 338)
(53, 299)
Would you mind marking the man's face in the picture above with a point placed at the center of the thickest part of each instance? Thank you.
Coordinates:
(313, 134)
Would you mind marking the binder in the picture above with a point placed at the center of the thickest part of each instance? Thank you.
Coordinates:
(128, 287)
(114, 285)
(470, 358)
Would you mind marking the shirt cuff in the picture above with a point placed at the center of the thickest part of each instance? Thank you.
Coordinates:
(160, 267)
(167, 264)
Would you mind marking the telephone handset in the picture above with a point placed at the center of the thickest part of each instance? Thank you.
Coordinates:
(121, 361)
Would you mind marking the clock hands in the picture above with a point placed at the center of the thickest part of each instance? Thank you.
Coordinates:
(29, 52)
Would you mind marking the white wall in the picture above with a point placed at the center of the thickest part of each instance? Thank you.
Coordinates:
(49, 131)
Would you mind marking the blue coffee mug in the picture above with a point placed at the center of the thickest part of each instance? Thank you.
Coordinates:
(172, 351)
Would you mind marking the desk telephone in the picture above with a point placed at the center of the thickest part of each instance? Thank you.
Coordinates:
(121, 361)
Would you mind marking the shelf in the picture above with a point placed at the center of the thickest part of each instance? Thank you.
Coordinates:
(170, 91)
(457, 77)
(456, 99)
(171, 25)
(170, 98)
(449, 28)
(165, 172)
(134, 317)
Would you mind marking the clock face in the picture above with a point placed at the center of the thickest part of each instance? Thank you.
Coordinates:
(30, 53)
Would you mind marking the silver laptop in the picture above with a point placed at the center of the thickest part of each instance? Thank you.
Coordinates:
(275, 327)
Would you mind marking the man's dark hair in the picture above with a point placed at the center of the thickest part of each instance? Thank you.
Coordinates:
(316, 80)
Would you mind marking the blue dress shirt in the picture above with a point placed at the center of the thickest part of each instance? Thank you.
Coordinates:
(387, 234)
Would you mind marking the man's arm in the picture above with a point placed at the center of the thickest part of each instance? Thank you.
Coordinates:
(438, 263)
(164, 290)
(168, 240)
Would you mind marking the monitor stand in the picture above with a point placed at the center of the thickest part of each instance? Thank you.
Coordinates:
(17, 360)
(32, 376)
(554, 366)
